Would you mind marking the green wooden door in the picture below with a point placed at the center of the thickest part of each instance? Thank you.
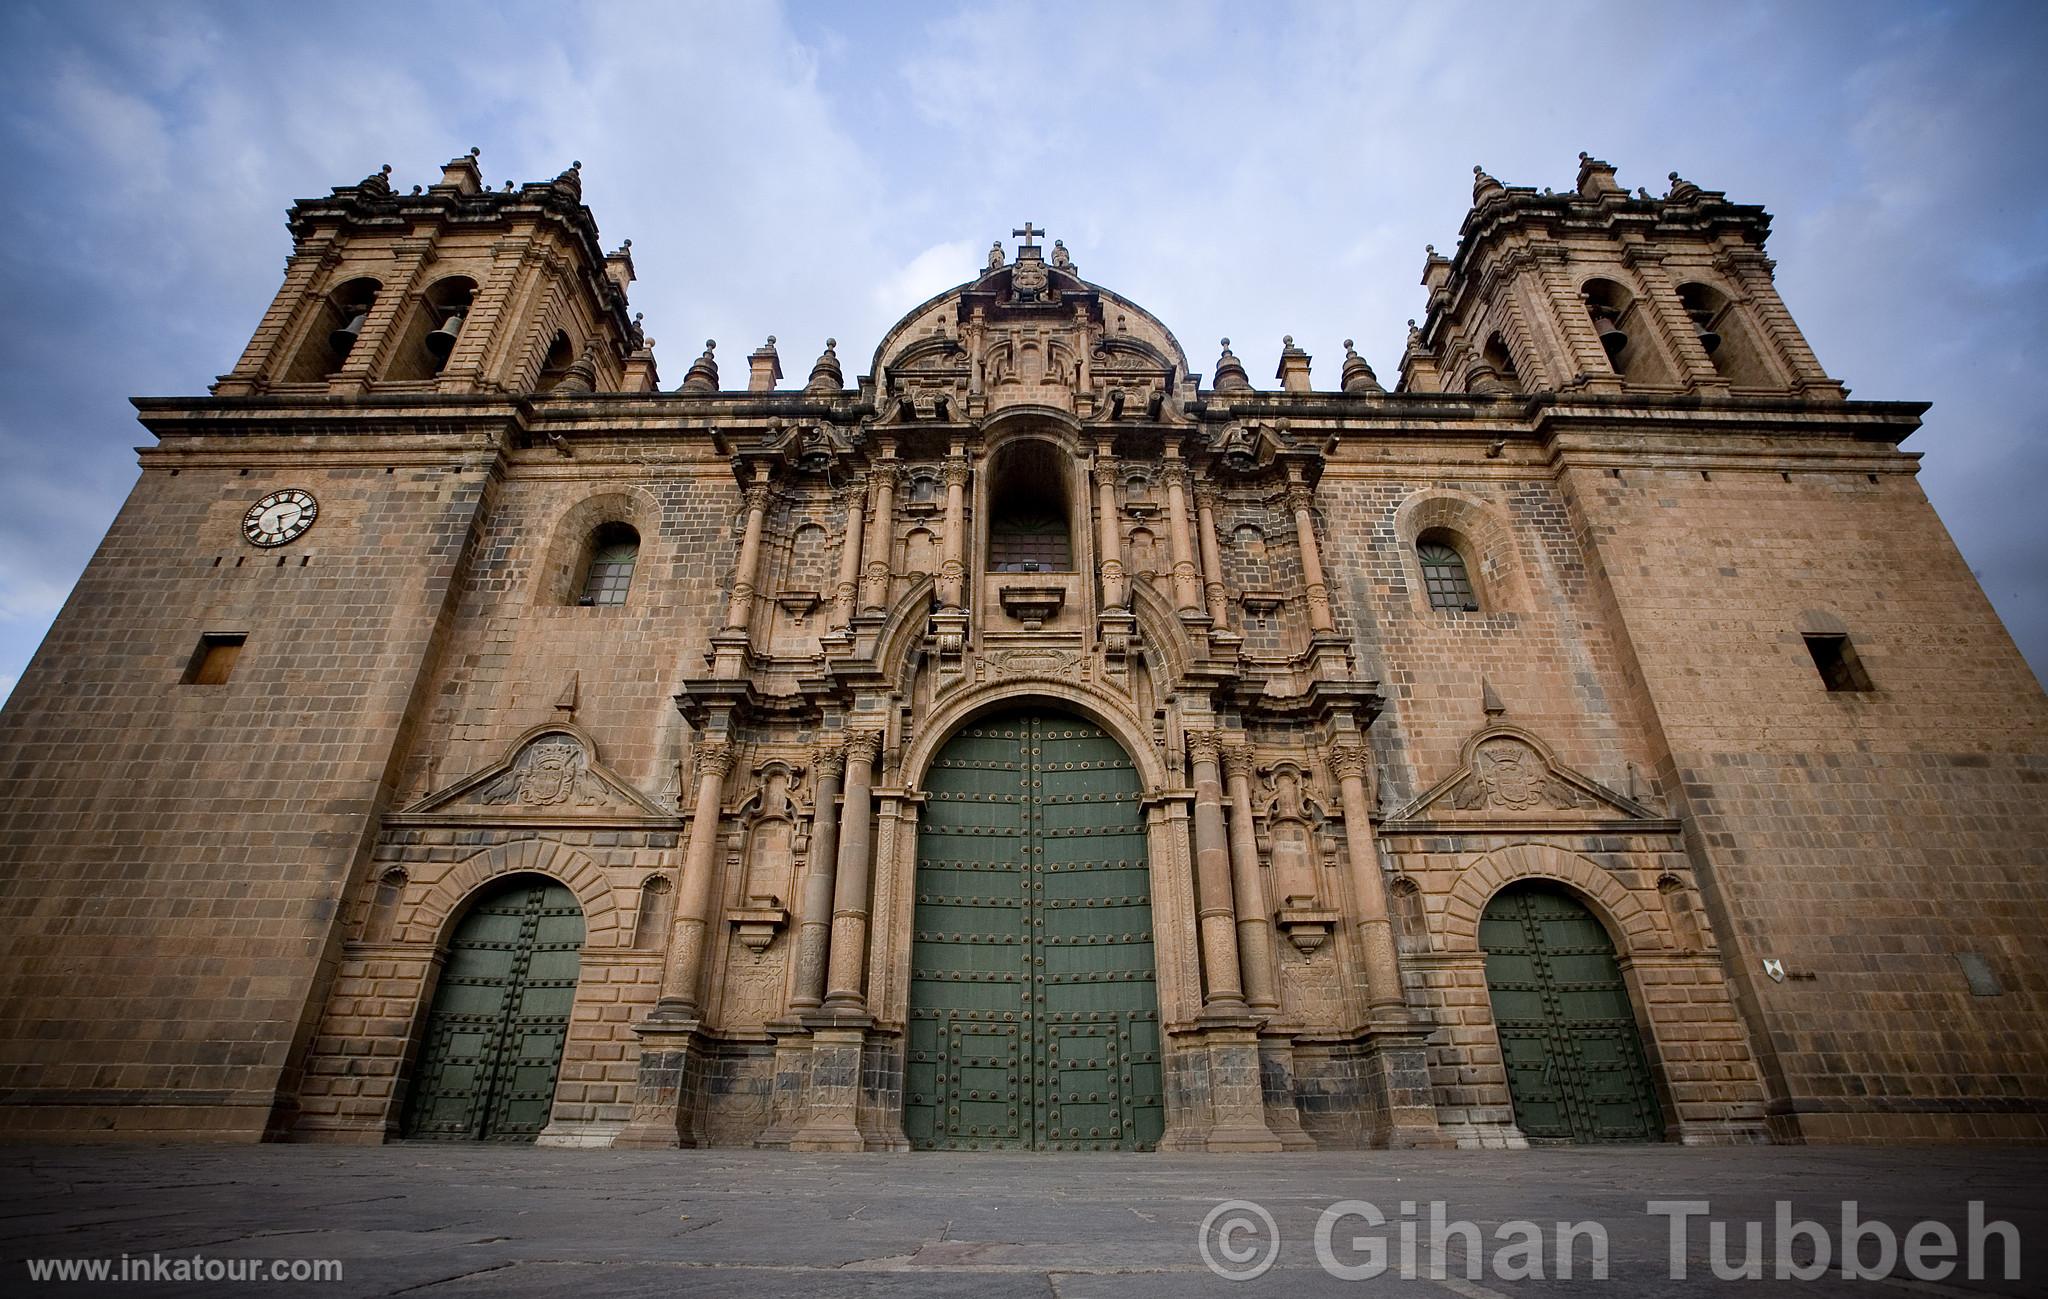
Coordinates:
(1568, 1038)
(1034, 1015)
(494, 1037)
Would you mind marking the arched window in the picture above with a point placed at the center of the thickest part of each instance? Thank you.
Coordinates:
(1028, 528)
(334, 333)
(555, 367)
(1444, 575)
(1496, 369)
(436, 324)
(614, 550)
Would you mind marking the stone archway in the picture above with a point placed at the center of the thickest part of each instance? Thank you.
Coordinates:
(491, 1050)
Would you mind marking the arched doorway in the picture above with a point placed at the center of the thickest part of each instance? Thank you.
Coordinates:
(1575, 1064)
(493, 1043)
(1034, 1010)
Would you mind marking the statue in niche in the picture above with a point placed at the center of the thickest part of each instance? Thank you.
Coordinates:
(1292, 815)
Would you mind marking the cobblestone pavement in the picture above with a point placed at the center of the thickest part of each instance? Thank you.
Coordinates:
(476, 1220)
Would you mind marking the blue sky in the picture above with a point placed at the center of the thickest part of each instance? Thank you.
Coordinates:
(817, 169)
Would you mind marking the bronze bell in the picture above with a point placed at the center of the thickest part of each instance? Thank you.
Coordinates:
(1703, 321)
(341, 340)
(442, 341)
(1612, 336)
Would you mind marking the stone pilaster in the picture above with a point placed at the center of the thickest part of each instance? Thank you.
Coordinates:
(1316, 588)
(1224, 990)
(846, 987)
(881, 547)
(846, 590)
(1254, 915)
(1187, 585)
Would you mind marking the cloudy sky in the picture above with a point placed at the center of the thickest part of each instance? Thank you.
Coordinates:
(817, 169)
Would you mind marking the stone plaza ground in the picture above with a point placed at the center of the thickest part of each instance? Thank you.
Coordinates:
(452, 1220)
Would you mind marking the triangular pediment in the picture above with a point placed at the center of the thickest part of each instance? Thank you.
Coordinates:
(552, 773)
(1509, 774)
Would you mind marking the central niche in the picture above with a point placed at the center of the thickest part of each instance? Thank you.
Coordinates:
(1030, 525)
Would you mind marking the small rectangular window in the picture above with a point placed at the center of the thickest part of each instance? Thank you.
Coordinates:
(1835, 658)
(214, 661)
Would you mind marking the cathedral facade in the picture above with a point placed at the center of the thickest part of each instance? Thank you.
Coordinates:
(1034, 742)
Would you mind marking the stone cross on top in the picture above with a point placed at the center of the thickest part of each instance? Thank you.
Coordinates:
(1028, 232)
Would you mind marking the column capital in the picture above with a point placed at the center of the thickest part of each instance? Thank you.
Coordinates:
(1104, 471)
(759, 496)
(1205, 746)
(887, 473)
(1300, 497)
(1176, 473)
(1208, 496)
(1348, 760)
(862, 747)
(830, 761)
(1238, 760)
(957, 472)
(715, 758)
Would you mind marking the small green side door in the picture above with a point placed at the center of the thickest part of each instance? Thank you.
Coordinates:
(1575, 1064)
(494, 1037)
(1034, 1012)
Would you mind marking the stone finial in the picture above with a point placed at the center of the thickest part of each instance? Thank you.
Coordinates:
(571, 180)
(462, 175)
(618, 265)
(826, 375)
(1358, 375)
(1484, 187)
(764, 367)
(1682, 191)
(995, 256)
(1230, 375)
(1061, 259)
(703, 375)
(1293, 372)
(378, 183)
(1596, 177)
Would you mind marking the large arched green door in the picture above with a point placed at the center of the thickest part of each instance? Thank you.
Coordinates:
(1567, 1031)
(1034, 1015)
(501, 1014)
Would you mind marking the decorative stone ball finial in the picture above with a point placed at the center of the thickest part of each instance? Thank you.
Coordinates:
(386, 169)
(1287, 340)
(831, 343)
(1226, 345)
(1348, 347)
(1583, 155)
(475, 152)
(771, 340)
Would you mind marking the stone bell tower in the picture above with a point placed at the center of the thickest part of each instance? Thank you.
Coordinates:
(453, 288)
(1600, 291)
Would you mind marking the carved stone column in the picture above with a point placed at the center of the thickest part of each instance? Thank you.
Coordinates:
(1187, 586)
(847, 589)
(1212, 559)
(1352, 764)
(1254, 915)
(1301, 500)
(881, 547)
(845, 993)
(1217, 917)
(1116, 590)
(814, 918)
(953, 566)
(693, 904)
(747, 572)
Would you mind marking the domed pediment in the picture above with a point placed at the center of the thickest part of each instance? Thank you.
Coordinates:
(1027, 333)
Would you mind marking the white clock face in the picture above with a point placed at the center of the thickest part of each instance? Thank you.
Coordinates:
(280, 517)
